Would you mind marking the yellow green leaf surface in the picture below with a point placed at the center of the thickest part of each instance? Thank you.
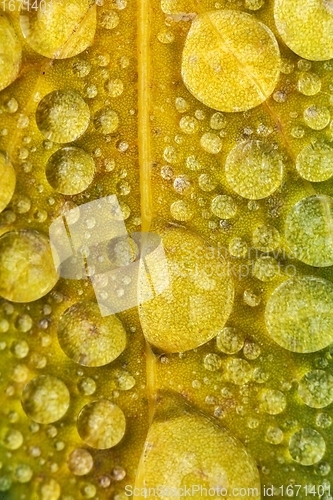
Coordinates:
(208, 126)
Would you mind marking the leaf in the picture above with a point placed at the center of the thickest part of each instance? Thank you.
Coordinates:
(178, 155)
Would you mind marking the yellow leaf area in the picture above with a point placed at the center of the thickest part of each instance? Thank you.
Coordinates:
(210, 124)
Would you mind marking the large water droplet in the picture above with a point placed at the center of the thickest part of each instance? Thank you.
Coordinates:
(224, 206)
(198, 299)
(101, 424)
(307, 446)
(317, 117)
(10, 57)
(106, 120)
(315, 162)
(45, 399)
(299, 314)
(238, 371)
(266, 238)
(309, 83)
(12, 439)
(311, 39)
(272, 401)
(316, 389)
(70, 170)
(229, 340)
(240, 71)
(62, 116)
(194, 451)
(309, 230)
(80, 462)
(60, 29)
(26, 266)
(254, 169)
(88, 338)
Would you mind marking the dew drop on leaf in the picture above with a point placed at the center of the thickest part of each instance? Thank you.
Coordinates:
(45, 399)
(299, 314)
(88, 338)
(60, 29)
(101, 424)
(26, 266)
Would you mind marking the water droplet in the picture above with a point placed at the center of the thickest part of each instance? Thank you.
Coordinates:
(251, 350)
(192, 163)
(188, 124)
(40, 26)
(88, 490)
(237, 248)
(23, 473)
(217, 121)
(254, 169)
(109, 19)
(317, 117)
(254, 4)
(309, 84)
(88, 338)
(70, 170)
(224, 206)
(62, 116)
(207, 182)
(181, 211)
(272, 402)
(196, 271)
(182, 184)
(166, 36)
(118, 473)
(237, 79)
(265, 268)
(101, 424)
(80, 462)
(7, 175)
(210, 457)
(229, 340)
(170, 155)
(10, 53)
(114, 87)
(124, 380)
(45, 399)
(81, 68)
(309, 230)
(166, 172)
(87, 386)
(212, 362)
(26, 266)
(266, 238)
(181, 105)
(298, 314)
(307, 446)
(315, 162)
(322, 469)
(211, 143)
(316, 389)
(238, 371)
(274, 435)
(106, 120)
(122, 251)
(12, 439)
(311, 40)
(49, 489)
(20, 348)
